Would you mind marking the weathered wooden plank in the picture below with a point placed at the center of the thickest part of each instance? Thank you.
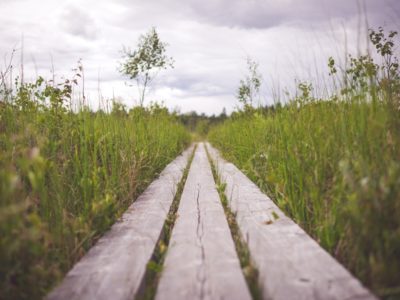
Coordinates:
(114, 267)
(201, 261)
(291, 264)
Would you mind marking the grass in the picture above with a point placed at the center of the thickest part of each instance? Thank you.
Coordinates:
(333, 165)
(66, 175)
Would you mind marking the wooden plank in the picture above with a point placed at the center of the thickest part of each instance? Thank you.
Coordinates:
(114, 267)
(201, 261)
(291, 264)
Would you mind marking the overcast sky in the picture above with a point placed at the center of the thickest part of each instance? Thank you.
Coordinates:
(209, 40)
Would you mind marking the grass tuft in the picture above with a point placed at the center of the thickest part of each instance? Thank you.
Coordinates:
(333, 165)
(67, 175)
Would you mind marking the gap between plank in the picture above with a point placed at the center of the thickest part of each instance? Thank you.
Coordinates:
(148, 286)
(249, 270)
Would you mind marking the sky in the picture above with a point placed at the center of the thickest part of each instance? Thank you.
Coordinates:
(209, 40)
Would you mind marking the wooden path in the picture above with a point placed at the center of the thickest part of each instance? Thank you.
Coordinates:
(291, 264)
(201, 261)
(115, 266)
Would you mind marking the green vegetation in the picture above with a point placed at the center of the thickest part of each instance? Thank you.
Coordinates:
(249, 88)
(66, 175)
(199, 125)
(143, 64)
(333, 165)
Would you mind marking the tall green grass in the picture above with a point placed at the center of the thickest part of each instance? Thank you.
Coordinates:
(66, 176)
(333, 165)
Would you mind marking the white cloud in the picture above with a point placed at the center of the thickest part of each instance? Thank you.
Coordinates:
(209, 41)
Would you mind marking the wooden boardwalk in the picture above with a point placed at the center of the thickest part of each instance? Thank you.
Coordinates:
(201, 261)
(291, 264)
(115, 266)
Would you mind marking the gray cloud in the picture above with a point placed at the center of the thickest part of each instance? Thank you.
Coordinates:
(77, 22)
(261, 14)
(209, 41)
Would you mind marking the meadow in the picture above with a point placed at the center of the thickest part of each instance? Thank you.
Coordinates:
(333, 164)
(66, 174)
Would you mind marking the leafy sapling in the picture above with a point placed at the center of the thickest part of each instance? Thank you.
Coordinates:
(249, 87)
(143, 64)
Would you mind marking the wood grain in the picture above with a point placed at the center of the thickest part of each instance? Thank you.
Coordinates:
(291, 264)
(201, 261)
(114, 267)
